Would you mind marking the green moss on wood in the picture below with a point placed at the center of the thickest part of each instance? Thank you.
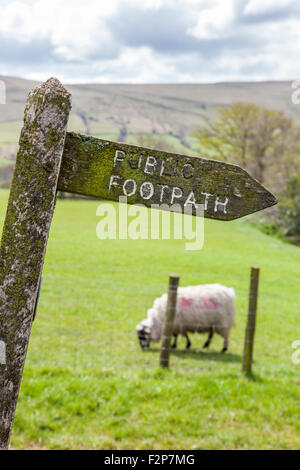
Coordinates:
(25, 233)
(87, 166)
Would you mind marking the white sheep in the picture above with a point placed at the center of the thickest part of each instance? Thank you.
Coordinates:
(203, 308)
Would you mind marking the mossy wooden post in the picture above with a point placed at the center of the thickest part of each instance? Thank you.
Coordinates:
(107, 170)
(251, 322)
(25, 233)
(169, 321)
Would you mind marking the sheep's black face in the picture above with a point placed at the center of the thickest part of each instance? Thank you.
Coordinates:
(144, 337)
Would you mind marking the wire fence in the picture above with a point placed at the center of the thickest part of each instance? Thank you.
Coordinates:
(123, 303)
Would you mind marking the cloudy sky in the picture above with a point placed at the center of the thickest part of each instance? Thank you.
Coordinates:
(150, 41)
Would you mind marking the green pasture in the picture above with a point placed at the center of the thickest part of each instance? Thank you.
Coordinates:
(87, 384)
(10, 132)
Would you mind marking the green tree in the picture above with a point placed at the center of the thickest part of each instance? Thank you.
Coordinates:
(289, 206)
(261, 140)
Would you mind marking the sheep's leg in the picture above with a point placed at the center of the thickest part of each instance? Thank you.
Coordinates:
(225, 347)
(207, 342)
(188, 343)
(174, 342)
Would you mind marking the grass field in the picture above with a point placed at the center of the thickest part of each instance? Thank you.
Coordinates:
(86, 382)
(10, 132)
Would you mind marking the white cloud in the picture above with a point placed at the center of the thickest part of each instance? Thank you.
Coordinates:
(213, 20)
(74, 30)
(148, 4)
(257, 7)
(134, 65)
(17, 20)
(187, 40)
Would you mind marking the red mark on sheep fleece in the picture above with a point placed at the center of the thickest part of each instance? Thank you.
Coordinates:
(185, 304)
(210, 304)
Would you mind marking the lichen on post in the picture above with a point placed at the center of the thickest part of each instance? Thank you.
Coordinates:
(170, 314)
(25, 233)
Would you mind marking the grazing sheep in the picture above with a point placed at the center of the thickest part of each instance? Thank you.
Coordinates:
(203, 308)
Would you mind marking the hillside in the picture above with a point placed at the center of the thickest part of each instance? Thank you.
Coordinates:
(120, 111)
(169, 113)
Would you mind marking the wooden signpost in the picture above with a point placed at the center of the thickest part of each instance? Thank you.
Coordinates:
(25, 233)
(107, 170)
(49, 159)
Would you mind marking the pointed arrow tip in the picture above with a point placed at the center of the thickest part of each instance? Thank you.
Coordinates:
(271, 199)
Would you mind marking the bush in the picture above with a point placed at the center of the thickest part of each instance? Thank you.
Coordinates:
(289, 207)
(271, 229)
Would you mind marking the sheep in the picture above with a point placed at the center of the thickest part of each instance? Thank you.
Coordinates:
(202, 308)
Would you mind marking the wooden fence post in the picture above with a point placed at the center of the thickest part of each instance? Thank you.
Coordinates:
(251, 322)
(169, 321)
(25, 233)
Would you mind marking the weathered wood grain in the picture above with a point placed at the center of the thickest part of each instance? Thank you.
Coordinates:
(251, 322)
(107, 170)
(164, 358)
(25, 233)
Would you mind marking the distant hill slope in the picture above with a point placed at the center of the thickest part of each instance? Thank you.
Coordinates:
(121, 110)
(169, 112)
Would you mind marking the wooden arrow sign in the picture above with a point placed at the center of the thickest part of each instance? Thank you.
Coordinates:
(108, 170)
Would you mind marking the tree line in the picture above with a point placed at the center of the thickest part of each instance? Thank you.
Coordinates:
(266, 143)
